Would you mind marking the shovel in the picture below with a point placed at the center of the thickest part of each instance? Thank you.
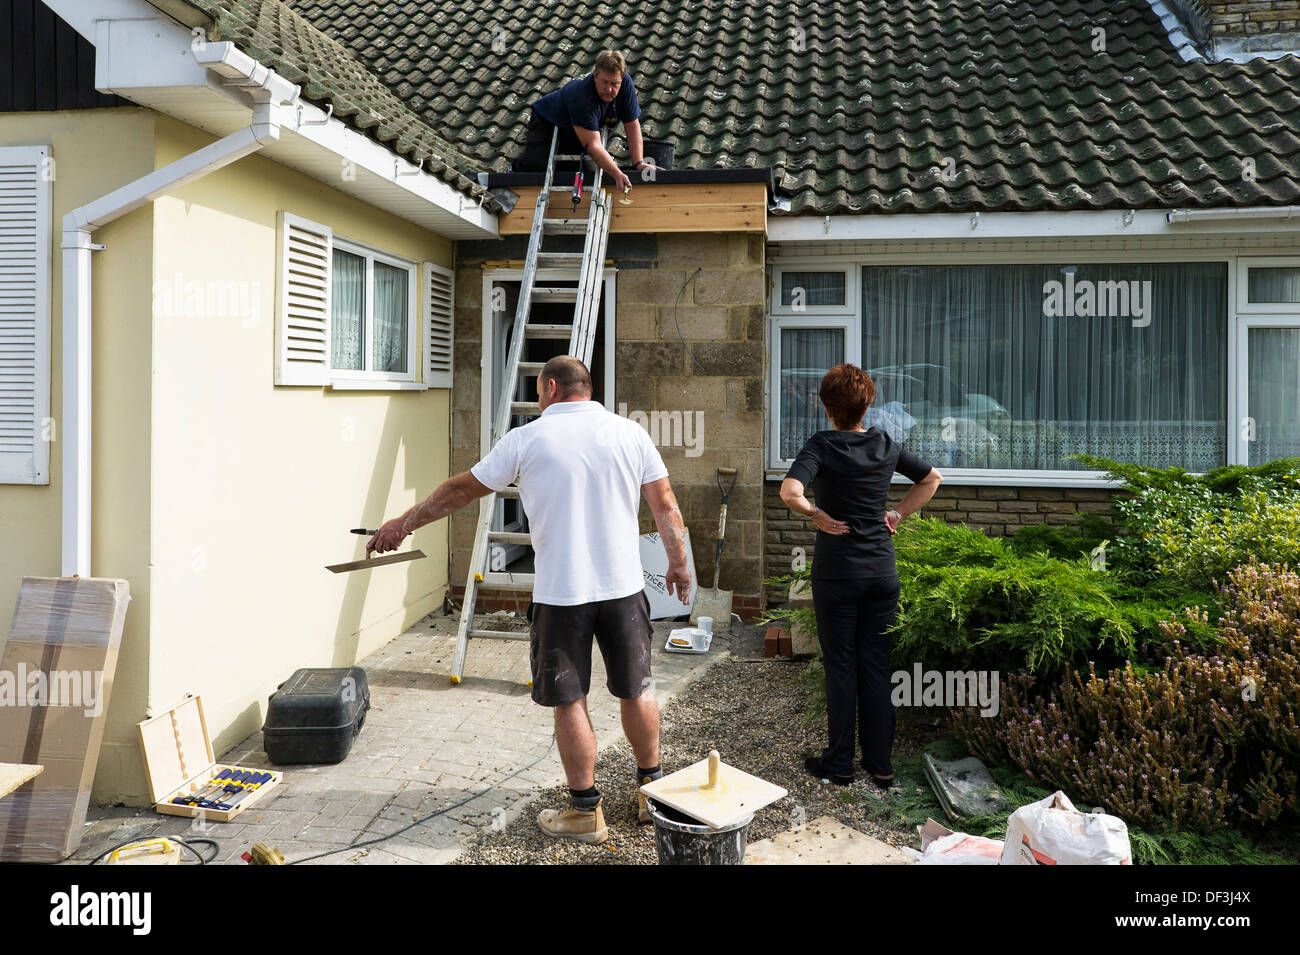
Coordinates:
(710, 601)
(373, 561)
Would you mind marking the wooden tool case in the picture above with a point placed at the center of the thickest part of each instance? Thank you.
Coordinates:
(178, 760)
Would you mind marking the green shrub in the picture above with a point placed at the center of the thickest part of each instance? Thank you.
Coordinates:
(969, 599)
(1205, 742)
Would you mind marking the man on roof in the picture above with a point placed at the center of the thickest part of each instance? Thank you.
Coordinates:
(581, 108)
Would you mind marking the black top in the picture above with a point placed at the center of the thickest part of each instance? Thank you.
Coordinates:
(852, 470)
(577, 103)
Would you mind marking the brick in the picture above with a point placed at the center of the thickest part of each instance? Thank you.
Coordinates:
(694, 393)
(633, 287)
(1056, 507)
(695, 249)
(998, 493)
(985, 517)
(783, 644)
(647, 359)
(1018, 507)
(729, 287)
(1087, 494)
(1095, 507)
(638, 323)
(695, 323)
(734, 359)
(1042, 494)
(771, 642)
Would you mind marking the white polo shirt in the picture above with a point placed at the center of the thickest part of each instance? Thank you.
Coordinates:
(579, 468)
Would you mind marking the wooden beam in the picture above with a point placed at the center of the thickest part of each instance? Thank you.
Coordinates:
(707, 207)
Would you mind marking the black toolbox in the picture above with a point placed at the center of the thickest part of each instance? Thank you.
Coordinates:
(315, 714)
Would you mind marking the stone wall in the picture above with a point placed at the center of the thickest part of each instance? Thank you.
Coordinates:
(997, 511)
(705, 292)
(1234, 19)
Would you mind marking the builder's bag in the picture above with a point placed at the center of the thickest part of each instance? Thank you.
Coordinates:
(1052, 832)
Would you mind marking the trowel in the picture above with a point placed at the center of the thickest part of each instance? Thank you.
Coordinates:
(373, 561)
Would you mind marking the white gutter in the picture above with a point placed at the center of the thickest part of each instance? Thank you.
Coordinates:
(1022, 225)
(270, 93)
(1253, 212)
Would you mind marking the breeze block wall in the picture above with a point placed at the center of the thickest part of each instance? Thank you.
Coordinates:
(689, 360)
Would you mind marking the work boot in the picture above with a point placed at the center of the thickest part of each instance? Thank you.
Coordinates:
(643, 810)
(581, 825)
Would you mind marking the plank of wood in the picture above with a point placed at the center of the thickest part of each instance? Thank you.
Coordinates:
(736, 795)
(714, 207)
(13, 775)
(374, 561)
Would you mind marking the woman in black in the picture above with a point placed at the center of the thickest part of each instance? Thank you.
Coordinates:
(854, 579)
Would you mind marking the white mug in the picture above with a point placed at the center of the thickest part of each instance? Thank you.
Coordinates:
(705, 624)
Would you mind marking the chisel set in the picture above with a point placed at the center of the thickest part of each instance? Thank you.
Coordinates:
(225, 790)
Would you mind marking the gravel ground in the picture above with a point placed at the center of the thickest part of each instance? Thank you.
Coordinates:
(754, 714)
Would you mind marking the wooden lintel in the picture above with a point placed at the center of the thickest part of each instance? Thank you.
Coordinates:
(704, 207)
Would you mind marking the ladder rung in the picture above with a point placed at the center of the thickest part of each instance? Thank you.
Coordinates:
(531, 367)
(525, 407)
(555, 294)
(564, 226)
(558, 260)
(496, 635)
(504, 581)
(511, 492)
(511, 537)
(548, 331)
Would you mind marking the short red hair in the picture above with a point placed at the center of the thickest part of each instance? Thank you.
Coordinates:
(846, 393)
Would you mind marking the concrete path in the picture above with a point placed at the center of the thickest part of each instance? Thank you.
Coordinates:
(480, 751)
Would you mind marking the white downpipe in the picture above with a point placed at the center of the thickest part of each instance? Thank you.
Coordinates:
(1249, 212)
(269, 91)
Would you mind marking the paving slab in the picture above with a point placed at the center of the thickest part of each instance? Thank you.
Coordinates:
(463, 755)
(824, 841)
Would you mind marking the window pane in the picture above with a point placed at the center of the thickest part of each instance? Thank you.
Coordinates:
(1017, 366)
(391, 285)
(817, 288)
(348, 314)
(1273, 285)
(1273, 394)
(806, 355)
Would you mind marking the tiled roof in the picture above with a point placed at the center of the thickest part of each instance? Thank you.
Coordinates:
(276, 36)
(877, 105)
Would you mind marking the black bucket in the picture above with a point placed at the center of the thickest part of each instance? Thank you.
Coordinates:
(682, 840)
(660, 150)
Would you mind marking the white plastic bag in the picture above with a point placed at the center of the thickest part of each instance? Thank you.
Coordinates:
(958, 848)
(1052, 832)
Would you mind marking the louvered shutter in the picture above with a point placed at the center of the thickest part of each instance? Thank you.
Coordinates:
(439, 316)
(303, 302)
(25, 268)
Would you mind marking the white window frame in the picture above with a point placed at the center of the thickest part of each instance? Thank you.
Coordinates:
(345, 378)
(1250, 316)
(1019, 477)
(852, 354)
(1244, 265)
(490, 277)
(850, 306)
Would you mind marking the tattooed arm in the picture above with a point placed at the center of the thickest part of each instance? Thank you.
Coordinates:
(451, 495)
(672, 531)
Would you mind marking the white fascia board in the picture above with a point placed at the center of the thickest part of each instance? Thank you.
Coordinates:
(82, 15)
(1013, 225)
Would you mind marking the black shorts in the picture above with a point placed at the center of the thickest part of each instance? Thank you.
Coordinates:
(560, 648)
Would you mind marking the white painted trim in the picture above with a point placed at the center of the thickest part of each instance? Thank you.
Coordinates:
(1011, 225)
(849, 307)
(371, 255)
(1241, 365)
(372, 384)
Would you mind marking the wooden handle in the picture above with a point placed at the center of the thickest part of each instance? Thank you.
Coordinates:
(714, 760)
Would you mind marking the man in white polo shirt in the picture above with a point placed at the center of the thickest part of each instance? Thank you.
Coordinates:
(581, 471)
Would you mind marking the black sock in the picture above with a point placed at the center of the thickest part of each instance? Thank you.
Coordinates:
(654, 774)
(585, 799)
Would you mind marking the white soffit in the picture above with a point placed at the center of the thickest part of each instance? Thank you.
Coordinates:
(150, 61)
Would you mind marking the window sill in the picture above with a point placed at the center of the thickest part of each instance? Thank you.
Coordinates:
(348, 384)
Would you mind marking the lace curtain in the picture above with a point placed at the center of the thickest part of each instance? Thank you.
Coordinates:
(391, 284)
(348, 313)
(806, 355)
(975, 367)
(1274, 393)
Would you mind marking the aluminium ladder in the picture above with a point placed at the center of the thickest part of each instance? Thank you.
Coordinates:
(581, 334)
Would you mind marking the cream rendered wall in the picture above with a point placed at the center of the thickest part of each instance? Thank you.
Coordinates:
(96, 151)
(255, 486)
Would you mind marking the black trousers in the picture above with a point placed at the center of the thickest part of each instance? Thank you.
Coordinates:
(852, 616)
(537, 146)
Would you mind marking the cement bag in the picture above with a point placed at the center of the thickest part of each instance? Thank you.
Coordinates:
(958, 848)
(1052, 832)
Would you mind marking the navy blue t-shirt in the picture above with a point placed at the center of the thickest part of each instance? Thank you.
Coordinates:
(852, 470)
(577, 104)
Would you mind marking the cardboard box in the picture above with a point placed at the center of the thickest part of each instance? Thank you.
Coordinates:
(56, 680)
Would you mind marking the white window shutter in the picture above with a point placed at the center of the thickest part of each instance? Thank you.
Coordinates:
(25, 269)
(439, 320)
(302, 338)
